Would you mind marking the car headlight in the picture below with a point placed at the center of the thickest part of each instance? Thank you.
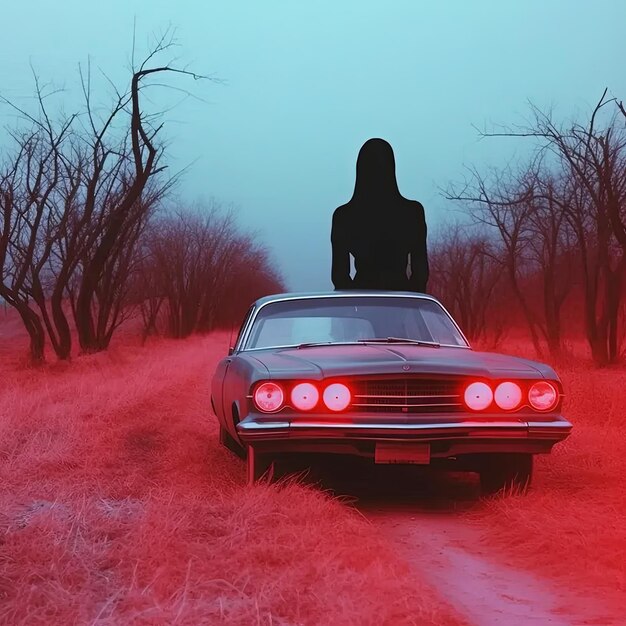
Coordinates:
(478, 396)
(337, 397)
(543, 396)
(508, 395)
(269, 397)
(305, 396)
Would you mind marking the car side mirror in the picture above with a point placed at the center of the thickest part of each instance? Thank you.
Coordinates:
(231, 350)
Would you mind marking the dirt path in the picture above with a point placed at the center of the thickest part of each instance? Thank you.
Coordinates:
(421, 513)
(487, 592)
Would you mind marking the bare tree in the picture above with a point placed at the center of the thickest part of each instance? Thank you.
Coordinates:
(31, 226)
(121, 190)
(550, 247)
(198, 268)
(147, 284)
(593, 158)
(252, 276)
(466, 272)
(504, 203)
(76, 197)
(17, 240)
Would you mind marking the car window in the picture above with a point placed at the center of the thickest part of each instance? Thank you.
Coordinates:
(242, 327)
(284, 330)
(438, 325)
(340, 319)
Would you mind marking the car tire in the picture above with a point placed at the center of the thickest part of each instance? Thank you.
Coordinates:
(260, 466)
(505, 472)
(230, 443)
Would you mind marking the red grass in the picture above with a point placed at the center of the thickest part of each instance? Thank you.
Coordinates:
(571, 526)
(117, 506)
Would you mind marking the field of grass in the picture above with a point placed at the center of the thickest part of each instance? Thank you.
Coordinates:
(118, 506)
(571, 526)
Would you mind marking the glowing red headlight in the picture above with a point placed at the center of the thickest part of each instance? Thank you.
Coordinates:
(508, 395)
(478, 396)
(337, 397)
(269, 397)
(543, 396)
(304, 396)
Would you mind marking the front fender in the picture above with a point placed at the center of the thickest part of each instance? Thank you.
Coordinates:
(241, 374)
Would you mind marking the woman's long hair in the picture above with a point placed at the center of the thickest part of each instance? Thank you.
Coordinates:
(375, 172)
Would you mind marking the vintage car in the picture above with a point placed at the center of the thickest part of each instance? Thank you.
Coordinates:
(385, 375)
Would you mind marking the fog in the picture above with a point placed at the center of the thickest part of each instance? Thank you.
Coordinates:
(303, 85)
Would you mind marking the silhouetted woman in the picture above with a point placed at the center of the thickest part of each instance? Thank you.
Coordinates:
(382, 230)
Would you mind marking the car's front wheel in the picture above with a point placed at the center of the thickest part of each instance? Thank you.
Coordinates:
(505, 472)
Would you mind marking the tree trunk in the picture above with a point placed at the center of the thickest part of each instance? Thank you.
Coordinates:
(84, 319)
(596, 327)
(552, 314)
(64, 348)
(530, 319)
(613, 297)
(35, 331)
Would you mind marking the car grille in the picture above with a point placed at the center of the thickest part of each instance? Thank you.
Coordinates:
(407, 395)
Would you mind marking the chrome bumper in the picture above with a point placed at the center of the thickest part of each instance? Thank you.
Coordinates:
(449, 435)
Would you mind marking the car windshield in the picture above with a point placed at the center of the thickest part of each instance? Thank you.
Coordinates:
(352, 319)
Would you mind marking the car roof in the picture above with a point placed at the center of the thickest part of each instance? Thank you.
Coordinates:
(346, 293)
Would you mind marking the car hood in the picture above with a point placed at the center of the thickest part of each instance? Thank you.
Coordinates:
(339, 360)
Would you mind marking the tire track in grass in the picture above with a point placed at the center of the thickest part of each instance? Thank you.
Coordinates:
(423, 513)
(481, 587)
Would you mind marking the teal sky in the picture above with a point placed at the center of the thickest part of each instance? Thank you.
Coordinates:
(308, 83)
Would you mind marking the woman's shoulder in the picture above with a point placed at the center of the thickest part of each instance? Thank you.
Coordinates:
(343, 211)
(413, 207)
(415, 204)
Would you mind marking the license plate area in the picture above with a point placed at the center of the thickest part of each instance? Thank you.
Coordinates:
(412, 453)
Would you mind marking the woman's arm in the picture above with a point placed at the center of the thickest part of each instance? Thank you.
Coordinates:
(340, 272)
(419, 253)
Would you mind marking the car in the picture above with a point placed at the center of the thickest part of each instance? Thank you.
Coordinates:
(384, 375)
